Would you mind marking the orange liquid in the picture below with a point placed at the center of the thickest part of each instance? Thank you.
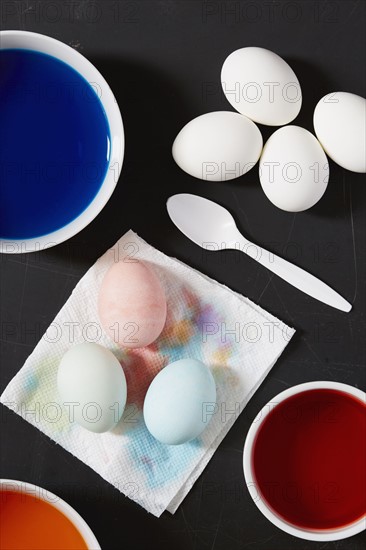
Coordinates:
(26, 522)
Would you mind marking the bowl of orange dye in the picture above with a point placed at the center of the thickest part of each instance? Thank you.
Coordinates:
(33, 518)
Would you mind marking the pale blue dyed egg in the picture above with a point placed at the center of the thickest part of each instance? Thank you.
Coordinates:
(179, 402)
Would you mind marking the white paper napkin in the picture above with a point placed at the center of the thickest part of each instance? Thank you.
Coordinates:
(237, 339)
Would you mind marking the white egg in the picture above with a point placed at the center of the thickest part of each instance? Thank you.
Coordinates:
(293, 169)
(262, 86)
(218, 146)
(340, 126)
(92, 386)
(180, 401)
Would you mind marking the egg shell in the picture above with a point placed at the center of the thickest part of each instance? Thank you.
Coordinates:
(131, 304)
(262, 86)
(91, 378)
(218, 146)
(293, 169)
(340, 126)
(174, 407)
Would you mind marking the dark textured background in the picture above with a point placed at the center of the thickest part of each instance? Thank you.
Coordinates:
(163, 61)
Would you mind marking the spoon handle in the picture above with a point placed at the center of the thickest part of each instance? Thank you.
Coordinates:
(297, 277)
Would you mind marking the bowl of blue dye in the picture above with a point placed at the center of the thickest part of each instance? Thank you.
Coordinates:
(61, 142)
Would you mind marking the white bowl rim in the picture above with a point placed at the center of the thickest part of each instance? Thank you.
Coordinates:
(51, 46)
(323, 535)
(58, 503)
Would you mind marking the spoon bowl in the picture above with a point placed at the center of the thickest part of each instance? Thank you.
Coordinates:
(208, 221)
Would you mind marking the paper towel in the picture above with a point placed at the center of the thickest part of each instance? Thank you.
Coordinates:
(237, 339)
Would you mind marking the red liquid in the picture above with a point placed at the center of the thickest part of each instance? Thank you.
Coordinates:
(309, 459)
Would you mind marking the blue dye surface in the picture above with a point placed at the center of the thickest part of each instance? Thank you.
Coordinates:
(54, 144)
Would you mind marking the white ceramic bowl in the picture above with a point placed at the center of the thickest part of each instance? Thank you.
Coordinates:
(56, 502)
(41, 43)
(321, 535)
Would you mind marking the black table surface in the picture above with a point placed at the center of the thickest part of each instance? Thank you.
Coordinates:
(162, 60)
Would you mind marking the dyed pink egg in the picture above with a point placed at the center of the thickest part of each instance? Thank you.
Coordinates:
(132, 304)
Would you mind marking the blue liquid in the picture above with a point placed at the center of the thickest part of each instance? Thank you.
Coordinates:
(54, 144)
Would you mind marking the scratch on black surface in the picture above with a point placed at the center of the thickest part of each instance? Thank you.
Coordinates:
(19, 14)
(199, 506)
(311, 350)
(284, 305)
(16, 344)
(238, 541)
(266, 286)
(234, 450)
(353, 238)
(217, 528)
(42, 268)
(241, 209)
(293, 324)
(282, 382)
(287, 242)
(23, 290)
(352, 11)
(307, 362)
(190, 530)
(262, 541)
(339, 369)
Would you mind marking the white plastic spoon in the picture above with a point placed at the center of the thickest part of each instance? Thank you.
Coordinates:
(211, 226)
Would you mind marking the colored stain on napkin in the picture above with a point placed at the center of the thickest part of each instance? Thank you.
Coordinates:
(28, 522)
(182, 337)
(140, 366)
(54, 144)
(161, 464)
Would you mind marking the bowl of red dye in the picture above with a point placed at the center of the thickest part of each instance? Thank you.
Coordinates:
(34, 518)
(304, 461)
